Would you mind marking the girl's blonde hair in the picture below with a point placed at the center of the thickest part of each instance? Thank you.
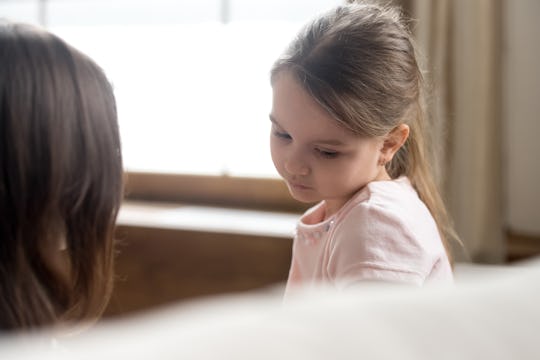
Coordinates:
(359, 63)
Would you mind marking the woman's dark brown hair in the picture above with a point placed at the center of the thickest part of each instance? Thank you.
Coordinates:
(60, 181)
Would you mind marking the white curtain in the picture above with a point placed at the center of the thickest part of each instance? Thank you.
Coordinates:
(460, 43)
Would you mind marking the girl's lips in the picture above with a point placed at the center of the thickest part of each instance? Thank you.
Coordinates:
(298, 186)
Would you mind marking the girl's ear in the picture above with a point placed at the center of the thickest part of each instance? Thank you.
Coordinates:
(393, 141)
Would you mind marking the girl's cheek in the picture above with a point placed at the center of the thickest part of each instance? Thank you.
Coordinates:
(276, 157)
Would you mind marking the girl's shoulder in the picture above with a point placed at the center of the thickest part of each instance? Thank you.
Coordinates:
(395, 195)
(392, 204)
(388, 234)
(389, 229)
(391, 190)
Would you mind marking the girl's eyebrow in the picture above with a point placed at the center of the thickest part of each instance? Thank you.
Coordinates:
(329, 142)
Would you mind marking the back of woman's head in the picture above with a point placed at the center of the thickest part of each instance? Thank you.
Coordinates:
(60, 181)
(359, 63)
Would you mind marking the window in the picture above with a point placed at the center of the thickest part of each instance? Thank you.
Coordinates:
(190, 76)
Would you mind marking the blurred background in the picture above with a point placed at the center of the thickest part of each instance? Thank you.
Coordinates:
(190, 76)
(205, 212)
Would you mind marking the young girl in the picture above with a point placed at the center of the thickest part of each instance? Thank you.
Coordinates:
(60, 181)
(348, 133)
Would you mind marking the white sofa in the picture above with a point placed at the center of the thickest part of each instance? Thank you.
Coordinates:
(491, 313)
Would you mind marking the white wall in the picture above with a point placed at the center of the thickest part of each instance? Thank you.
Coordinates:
(521, 114)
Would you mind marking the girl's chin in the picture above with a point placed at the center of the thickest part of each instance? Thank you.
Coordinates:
(303, 195)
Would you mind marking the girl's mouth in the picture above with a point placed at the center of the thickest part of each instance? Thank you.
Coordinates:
(298, 186)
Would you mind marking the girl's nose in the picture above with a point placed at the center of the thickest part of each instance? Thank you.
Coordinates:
(295, 165)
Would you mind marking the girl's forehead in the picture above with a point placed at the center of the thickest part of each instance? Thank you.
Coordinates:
(295, 110)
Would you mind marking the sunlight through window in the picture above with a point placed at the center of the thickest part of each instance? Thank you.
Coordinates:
(191, 77)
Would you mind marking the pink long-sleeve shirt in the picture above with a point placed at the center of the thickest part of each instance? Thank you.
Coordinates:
(383, 233)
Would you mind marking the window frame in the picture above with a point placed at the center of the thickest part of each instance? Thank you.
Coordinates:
(214, 190)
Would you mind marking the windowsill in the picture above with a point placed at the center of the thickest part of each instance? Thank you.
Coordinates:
(221, 191)
(178, 216)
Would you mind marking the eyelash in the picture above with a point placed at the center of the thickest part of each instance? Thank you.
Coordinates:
(282, 135)
(327, 154)
(323, 153)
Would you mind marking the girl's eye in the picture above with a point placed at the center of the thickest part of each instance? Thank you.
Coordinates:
(282, 135)
(327, 153)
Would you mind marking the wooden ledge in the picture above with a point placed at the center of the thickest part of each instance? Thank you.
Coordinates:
(187, 217)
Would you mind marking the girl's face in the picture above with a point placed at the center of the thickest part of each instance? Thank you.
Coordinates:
(318, 159)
